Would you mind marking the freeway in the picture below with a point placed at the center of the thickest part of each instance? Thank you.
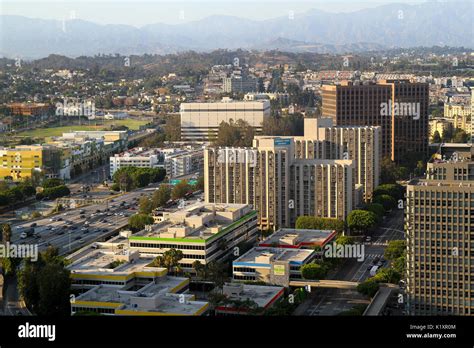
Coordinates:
(77, 227)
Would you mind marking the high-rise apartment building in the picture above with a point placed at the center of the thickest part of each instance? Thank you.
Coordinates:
(399, 107)
(440, 235)
(200, 121)
(278, 185)
(362, 144)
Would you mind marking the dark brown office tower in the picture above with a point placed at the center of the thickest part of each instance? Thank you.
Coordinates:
(399, 107)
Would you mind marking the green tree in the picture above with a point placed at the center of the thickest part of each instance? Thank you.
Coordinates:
(361, 220)
(436, 138)
(54, 287)
(343, 240)
(387, 275)
(216, 273)
(145, 205)
(55, 192)
(161, 196)
(170, 259)
(180, 189)
(317, 223)
(172, 128)
(199, 269)
(313, 271)
(45, 285)
(391, 172)
(399, 265)
(199, 186)
(137, 222)
(377, 209)
(53, 182)
(388, 202)
(140, 178)
(397, 191)
(368, 287)
(6, 233)
(460, 136)
(125, 181)
(395, 249)
(232, 133)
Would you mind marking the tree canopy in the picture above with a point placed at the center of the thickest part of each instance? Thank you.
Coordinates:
(361, 220)
(317, 223)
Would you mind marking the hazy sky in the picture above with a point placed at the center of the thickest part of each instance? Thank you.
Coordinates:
(141, 12)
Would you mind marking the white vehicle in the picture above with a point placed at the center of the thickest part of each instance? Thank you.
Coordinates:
(373, 270)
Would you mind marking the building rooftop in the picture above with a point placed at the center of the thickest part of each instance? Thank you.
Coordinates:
(153, 298)
(441, 183)
(139, 152)
(197, 222)
(107, 262)
(298, 238)
(263, 256)
(262, 295)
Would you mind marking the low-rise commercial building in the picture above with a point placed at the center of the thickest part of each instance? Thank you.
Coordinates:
(136, 157)
(298, 238)
(117, 281)
(244, 298)
(271, 265)
(203, 232)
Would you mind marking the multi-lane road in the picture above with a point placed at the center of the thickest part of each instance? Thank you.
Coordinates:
(72, 229)
(333, 301)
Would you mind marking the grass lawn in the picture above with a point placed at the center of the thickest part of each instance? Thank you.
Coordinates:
(55, 131)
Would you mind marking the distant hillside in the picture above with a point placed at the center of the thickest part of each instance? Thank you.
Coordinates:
(388, 26)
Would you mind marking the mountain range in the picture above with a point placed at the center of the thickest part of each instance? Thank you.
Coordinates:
(383, 27)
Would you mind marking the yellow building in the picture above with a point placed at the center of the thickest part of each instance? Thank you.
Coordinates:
(452, 110)
(117, 281)
(440, 125)
(21, 161)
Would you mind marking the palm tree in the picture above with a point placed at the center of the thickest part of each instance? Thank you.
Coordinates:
(6, 233)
